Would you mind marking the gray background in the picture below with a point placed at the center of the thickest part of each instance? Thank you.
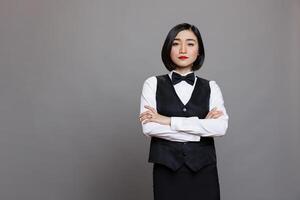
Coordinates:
(70, 83)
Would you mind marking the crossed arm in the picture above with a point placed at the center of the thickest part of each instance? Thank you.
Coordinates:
(151, 115)
(182, 128)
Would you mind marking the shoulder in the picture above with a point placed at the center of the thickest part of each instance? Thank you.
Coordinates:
(150, 83)
(215, 88)
(152, 80)
(212, 83)
(203, 80)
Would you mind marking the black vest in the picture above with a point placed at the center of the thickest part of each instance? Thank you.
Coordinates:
(174, 154)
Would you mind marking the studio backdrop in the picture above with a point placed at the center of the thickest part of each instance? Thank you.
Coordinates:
(71, 76)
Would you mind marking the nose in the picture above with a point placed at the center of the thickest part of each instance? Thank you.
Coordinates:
(182, 48)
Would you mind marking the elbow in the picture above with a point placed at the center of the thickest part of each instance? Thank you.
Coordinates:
(147, 134)
(223, 129)
(146, 130)
(221, 133)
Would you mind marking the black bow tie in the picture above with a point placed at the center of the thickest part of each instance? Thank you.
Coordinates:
(176, 78)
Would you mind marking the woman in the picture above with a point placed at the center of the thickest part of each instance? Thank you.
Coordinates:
(182, 113)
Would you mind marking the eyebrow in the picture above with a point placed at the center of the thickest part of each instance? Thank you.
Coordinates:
(186, 39)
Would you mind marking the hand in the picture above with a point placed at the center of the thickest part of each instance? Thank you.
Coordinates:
(214, 114)
(151, 115)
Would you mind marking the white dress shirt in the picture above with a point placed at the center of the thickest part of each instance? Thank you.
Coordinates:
(184, 129)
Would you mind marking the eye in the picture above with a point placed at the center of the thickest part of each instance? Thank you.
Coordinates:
(174, 44)
(191, 44)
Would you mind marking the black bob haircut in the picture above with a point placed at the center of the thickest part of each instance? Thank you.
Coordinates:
(166, 49)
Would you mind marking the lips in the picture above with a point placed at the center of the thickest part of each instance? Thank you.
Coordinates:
(183, 57)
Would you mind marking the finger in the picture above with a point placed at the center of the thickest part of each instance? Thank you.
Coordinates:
(145, 113)
(142, 119)
(217, 112)
(215, 108)
(212, 114)
(145, 117)
(220, 112)
(217, 115)
(150, 108)
(141, 114)
(208, 117)
(209, 114)
(146, 121)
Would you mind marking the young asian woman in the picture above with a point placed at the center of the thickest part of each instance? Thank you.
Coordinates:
(182, 113)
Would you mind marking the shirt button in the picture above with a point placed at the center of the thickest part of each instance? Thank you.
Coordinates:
(184, 109)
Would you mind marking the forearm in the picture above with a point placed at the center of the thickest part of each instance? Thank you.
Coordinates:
(153, 129)
(200, 127)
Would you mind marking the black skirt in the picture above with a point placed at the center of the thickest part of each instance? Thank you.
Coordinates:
(184, 184)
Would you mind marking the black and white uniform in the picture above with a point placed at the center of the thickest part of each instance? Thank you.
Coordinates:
(185, 163)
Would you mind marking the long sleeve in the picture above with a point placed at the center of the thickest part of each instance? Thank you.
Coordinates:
(152, 129)
(205, 127)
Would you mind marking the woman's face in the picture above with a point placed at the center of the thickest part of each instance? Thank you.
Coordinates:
(184, 49)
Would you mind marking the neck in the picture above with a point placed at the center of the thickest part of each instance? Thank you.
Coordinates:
(183, 71)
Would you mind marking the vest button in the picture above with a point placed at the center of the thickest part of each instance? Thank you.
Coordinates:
(184, 109)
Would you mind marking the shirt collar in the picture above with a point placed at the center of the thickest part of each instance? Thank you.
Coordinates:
(170, 74)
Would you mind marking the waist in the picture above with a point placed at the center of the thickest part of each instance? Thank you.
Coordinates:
(204, 141)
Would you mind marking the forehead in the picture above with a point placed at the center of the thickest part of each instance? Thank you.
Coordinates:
(185, 34)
